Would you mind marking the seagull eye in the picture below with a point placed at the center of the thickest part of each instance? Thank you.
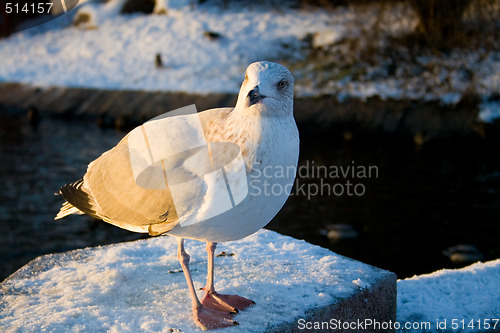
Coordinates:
(282, 84)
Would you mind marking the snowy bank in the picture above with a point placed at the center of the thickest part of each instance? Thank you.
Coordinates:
(120, 52)
(138, 286)
(206, 48)
(461, 300)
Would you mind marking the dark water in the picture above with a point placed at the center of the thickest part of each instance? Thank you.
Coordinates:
(417, 204)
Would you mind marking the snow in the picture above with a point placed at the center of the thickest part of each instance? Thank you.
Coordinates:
(139, 286)
(120, 53)
(114, 51)
(328, 37)
(489, 111)
(470, 293)
(360, 283)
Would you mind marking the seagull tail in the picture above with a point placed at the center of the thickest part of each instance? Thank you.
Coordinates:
(78, 201)
(67, 209)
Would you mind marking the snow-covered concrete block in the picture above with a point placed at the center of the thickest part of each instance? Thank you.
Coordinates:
(139, 286)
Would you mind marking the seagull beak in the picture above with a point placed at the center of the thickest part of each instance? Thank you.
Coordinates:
(255, 96)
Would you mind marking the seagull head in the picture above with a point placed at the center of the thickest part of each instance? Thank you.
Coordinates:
(267, 90)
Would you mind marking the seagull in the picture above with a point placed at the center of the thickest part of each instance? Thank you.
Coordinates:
(257, 138)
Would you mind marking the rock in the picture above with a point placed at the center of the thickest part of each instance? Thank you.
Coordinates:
(463, 254)
(340, 232)
(158, 61)
(211, 35)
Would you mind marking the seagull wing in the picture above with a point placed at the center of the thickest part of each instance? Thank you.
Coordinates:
(109, 190)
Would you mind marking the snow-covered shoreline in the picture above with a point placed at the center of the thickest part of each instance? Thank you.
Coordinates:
(453, 300)
(119, 52)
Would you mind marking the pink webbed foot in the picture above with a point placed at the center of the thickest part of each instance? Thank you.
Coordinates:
(227, 303)
(208, 319)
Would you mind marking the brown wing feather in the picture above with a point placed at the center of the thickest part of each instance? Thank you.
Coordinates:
(109, 191)
(121, 201)
(77, 197)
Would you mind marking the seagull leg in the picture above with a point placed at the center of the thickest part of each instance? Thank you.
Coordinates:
(204, 317)
(216, 301)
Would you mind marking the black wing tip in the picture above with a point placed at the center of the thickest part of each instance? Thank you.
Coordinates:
(76, 196)
(69, 188)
